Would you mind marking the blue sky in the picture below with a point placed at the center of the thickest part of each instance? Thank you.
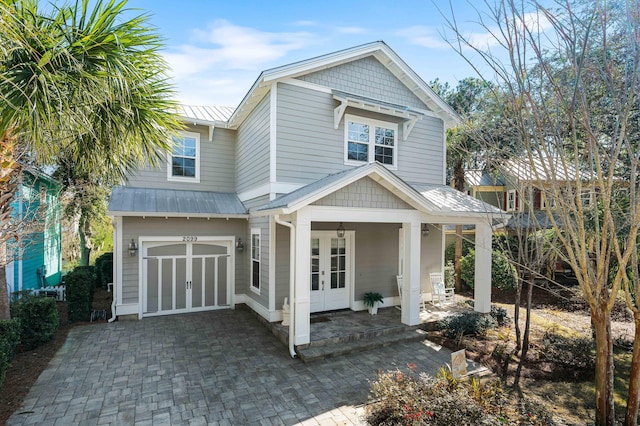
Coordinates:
(218, 48)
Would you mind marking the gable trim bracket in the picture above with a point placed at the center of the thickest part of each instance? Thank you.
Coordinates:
(411, 117)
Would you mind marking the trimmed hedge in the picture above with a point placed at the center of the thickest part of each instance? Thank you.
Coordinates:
(80, 284)
(104, 269)
(38, 317)
(9, 339)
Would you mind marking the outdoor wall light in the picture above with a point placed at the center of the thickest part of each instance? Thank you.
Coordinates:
(340, 230)
(425, 230)
(239, 244)
(133, 248)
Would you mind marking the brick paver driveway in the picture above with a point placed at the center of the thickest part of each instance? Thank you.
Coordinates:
(219, 367)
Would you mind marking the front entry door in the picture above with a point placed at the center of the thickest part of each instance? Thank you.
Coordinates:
(330, 271)
(185, 277)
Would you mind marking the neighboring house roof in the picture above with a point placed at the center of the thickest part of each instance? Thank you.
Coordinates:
(428, 198)
(482, 178)
(377, 49)
(540, 169)
(450, 200)
(526, 221)
(132, 201)
(205, 114)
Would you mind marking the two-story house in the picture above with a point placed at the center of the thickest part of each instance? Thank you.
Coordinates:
(326, 182)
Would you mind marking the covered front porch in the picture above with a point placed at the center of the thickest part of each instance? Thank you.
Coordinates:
(374, 197)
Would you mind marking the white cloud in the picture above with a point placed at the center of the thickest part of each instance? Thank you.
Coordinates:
(423, 36)
(351, 30)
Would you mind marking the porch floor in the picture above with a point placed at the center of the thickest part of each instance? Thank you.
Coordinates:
(341, 332)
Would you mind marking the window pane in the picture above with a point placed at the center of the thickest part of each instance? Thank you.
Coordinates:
(189, 149)
(358, 132)
(334, 280)
(315, 283)
(256, 274)
(357, 151)
(384, 136)
(384, 155)
(342, 279)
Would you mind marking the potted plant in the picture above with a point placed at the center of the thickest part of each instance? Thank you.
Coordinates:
(371, 300)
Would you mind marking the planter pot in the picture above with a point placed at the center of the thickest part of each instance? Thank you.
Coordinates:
(373, 310)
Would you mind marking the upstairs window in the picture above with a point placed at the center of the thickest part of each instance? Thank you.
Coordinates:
(512, 200)
(369, 140)
(184, 161)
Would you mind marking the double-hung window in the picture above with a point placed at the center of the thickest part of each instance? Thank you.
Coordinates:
(184, 160)
(368, 140)
(512, 200)
(255, 259)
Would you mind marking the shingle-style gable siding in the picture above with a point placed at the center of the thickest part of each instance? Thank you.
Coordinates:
(252, 150)
(366, 77)
(364, 193)
(309, 148)
(217, 165)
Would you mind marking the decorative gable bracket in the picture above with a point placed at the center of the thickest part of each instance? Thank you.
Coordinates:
(411, 117)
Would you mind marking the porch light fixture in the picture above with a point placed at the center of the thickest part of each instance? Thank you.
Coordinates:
(239, 244)
(133, 248)
(425, 230)
(340, 230)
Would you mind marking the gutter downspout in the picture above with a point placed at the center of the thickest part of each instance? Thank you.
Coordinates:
(292, 271)
(116, 243)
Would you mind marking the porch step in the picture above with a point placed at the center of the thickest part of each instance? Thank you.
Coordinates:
(356, 343)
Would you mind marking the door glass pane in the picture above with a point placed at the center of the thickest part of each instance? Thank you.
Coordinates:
(338, 262)
(315, 264)
(208, 249)
(334, 280)
(196, 283)
(152, 285)
(168, 250)
(181, 284)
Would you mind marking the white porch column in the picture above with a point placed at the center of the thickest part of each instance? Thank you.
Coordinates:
(482, 285)
(411, 274)
(302, 324)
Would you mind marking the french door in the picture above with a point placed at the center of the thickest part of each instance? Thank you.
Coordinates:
(186, 276)
(330, 271)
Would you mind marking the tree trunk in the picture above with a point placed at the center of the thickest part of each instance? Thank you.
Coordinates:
(527, 330)
(605, 414)
(5, 313)
(84, 230)
(516, 311)
(633, 396)
(456, 261)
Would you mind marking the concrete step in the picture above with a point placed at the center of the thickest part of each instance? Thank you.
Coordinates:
(325, 349)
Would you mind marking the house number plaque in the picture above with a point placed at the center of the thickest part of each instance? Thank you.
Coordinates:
(190, 238)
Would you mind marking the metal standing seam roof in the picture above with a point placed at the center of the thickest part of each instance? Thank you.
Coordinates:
(482, 178)
(205, 113)
(451, 200)
(152, 201)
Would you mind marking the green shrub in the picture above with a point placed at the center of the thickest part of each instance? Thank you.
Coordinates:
(465, 324)
(500, 315)
(79, 287)
(503, 274)
(399, 398)
(9, 339)
(104, 269)
(575, 354)
(38, 317)
(450, 250)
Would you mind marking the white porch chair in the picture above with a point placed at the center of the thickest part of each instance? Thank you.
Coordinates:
(423, 294)
(441, 294)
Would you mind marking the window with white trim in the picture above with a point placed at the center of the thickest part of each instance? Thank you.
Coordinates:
(255, 258)
(512, 204)
(368, 140)
(184, 159)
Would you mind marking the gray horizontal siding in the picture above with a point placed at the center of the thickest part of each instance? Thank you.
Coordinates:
(366, 77)
(309, 148)
(252, 149)
(134, 227)
(217, 165)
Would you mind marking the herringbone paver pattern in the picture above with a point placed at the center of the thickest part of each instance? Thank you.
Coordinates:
(219, 367)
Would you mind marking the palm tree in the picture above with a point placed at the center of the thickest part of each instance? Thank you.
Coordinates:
(85, 85)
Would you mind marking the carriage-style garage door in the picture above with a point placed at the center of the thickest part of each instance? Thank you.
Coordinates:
(187, 276)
